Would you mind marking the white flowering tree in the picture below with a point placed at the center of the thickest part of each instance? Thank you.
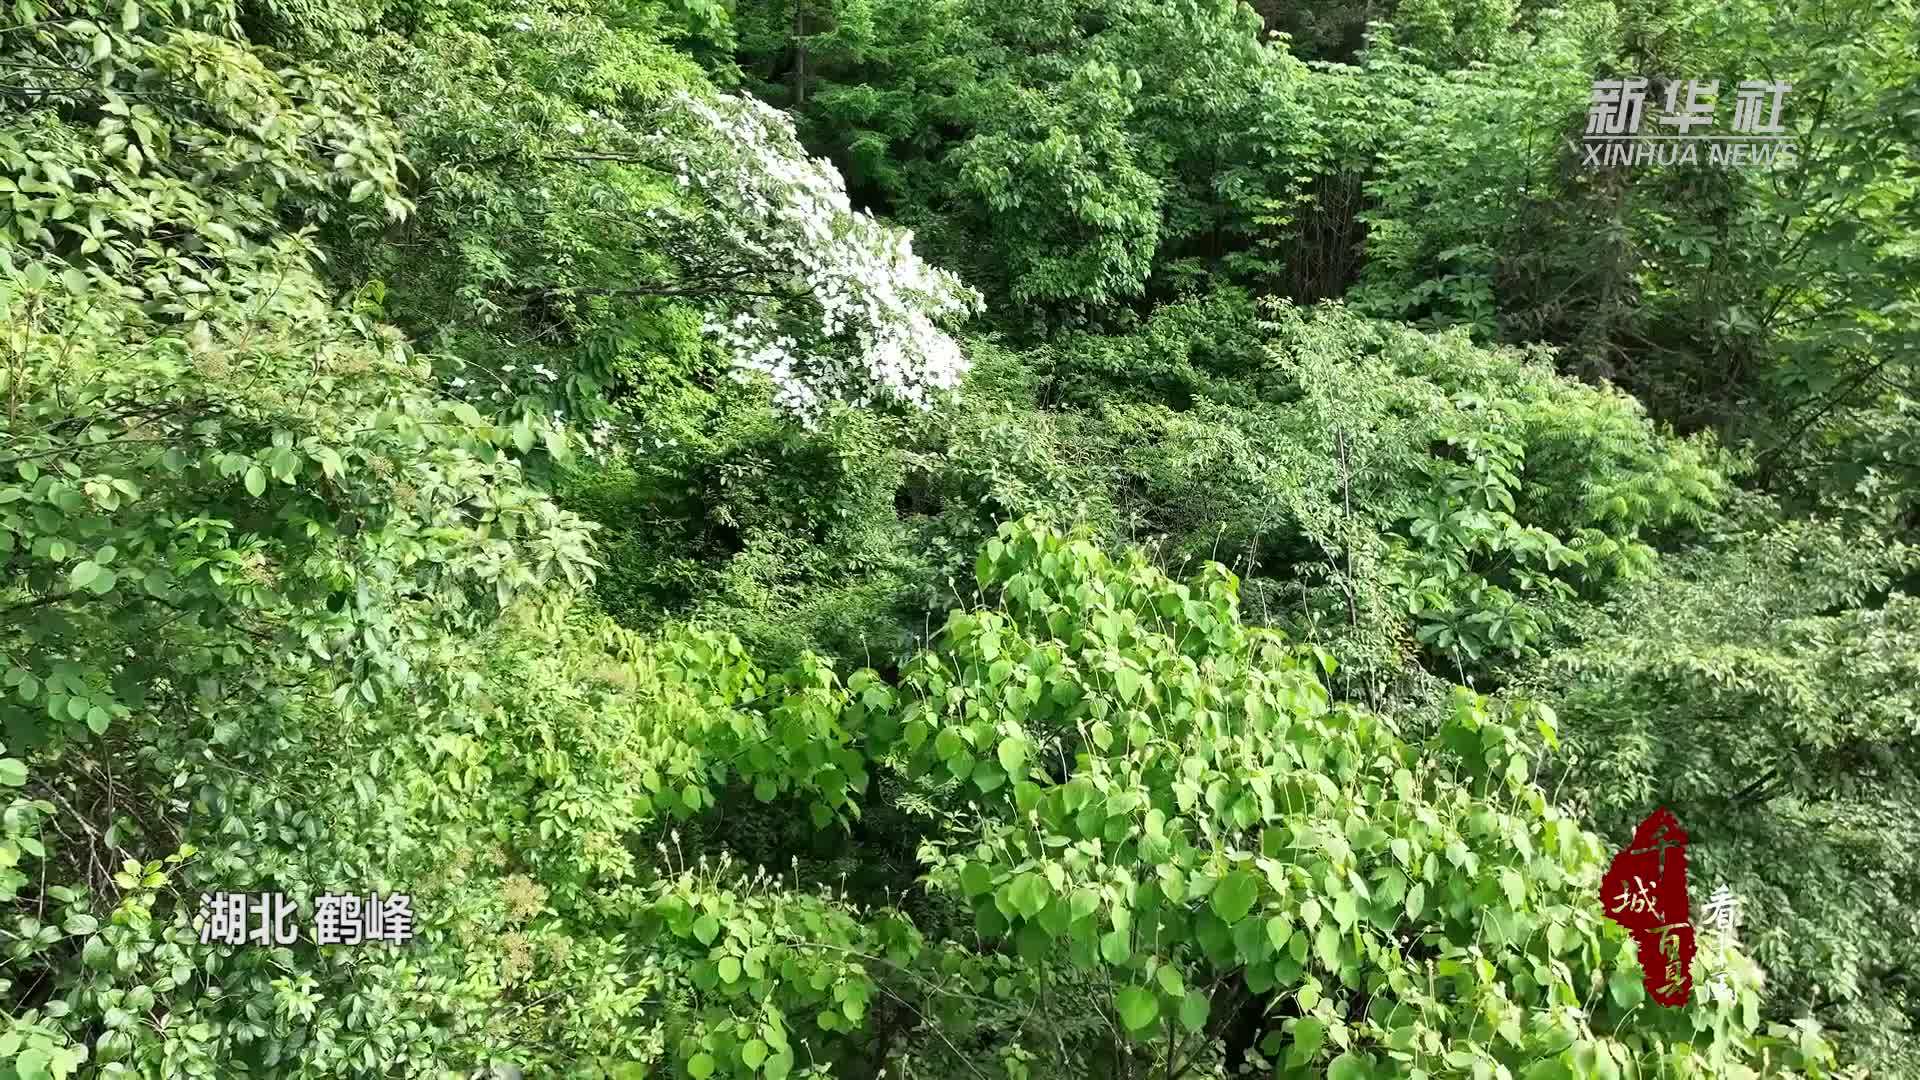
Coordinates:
(859, 315)
(624, 193)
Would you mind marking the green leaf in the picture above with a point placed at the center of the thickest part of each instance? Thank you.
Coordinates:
(1031, 894)
(1416, 900)
(32, 1064)
(1547, 723)
(1234, 896)
(1138, 1007)
(700, 1066)
(1512, 885)
(753, 1053)
(706, 928)
(1627, 988)
(1348, 1066)
(1193, 1011)
(1115, 949)
(988, 777)
(1550, 1069)
(13, 772)
(1326, 945)
(256, 480)
(976, 878)
(1346, 910)
(1169, 979)
(1278, 931)
(83, 573)
(1308, 1035)
(1013, 755)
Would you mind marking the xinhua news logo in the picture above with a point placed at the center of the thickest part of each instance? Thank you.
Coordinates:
(1682, 127)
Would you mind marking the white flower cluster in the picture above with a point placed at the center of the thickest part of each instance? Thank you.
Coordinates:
(861, 320)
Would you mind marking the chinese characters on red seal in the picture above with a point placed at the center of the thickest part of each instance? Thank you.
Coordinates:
(1645, 891)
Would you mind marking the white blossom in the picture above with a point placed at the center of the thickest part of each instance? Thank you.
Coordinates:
(862, 321)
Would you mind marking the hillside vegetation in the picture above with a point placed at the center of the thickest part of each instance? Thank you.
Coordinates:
(960, 540)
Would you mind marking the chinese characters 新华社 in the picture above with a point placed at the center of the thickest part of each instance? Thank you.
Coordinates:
(1618, 109)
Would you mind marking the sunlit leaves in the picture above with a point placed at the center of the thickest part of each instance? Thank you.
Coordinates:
(1233, 897)
(1328, 873)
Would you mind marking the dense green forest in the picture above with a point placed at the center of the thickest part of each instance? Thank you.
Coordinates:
(951, 539)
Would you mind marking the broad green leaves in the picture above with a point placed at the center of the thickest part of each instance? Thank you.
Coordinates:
(240, 532)
(1138, 1007)
(1299, 886)
(1234, 896)
(288, 605)
(1349, 1066)
(1029, 894)
(1012, 753)
(1308, 1035)
(1194, 1010)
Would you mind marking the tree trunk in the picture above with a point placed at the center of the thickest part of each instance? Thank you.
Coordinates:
(799, 54)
